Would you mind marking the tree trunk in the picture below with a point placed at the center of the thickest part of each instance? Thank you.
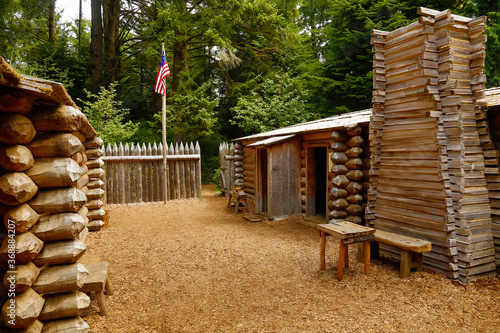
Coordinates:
(55, 172)
(60, 200)
(55, 145)
(111, 11)
(96, 45)
(57, 227)
(66, 252)
(52, 21)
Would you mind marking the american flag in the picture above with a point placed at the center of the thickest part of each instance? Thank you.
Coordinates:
(163, 72)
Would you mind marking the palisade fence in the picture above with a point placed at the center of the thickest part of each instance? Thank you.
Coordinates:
(134, 172)
(226, 161)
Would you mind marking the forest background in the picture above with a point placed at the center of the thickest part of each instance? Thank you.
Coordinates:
(238, 67)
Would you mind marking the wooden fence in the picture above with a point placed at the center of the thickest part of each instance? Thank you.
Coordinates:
(134, 172)
(226, 161)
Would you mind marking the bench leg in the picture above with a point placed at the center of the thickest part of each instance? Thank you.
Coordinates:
(367, 257)
(236, 205)
(229, 201)
(340, 265)
(322, 250)
(346, 257)
(107, 287)
(103, 310)
(419, 257)
(405, 264)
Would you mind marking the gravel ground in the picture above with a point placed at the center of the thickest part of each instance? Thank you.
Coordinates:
(194, 266)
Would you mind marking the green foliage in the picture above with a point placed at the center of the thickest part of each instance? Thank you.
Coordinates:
(189, 113)
(107, 117)
(276, 101)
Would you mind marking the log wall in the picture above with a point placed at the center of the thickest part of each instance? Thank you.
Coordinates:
(134, 172)
(428, 168)
(43, 182)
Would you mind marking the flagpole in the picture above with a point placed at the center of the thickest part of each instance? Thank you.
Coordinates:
(164, 134)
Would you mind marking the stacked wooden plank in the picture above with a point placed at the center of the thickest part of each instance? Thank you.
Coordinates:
(239, 157)
(347, 163)
(427, 161)
(43, 209)
(95, 183)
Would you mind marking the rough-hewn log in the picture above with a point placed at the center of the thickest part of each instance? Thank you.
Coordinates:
(339, 158)
(16, 158)
(97, 163)
(66, 252)
(16, 101)
(94, 204)
(26, 247)
(16, 129)
(62, 226)
(354, 152)
(94, 153)
(26, 309)
(82, 181)
(338, 136)
(355, 141)
(21, 277)
(95, 193)
(338, 204)
(339, 146)
(73, 325)
(69, 199)
(16, 188)
(354, 209)
(58, 279)
(95, 225)
(353, 131)
(354, 187)
(96, 183)
(355, 175)
(35, 327)
(70, 304)
(339, 169)
(355, 198)
(336, 192)
(354, 219)
(337, 214)
(354, 163)
(55, 172)
(55, 145)
(94, 142)
(96, 173)
(61, 118)
(23, 217)
(340, 181)
(96, 214)
(80, 158)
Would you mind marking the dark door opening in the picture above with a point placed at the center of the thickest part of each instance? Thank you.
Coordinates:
(263, 180)
(321, 180)
(316, 181)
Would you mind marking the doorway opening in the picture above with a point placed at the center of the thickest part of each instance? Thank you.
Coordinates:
(263, 181)
(317, 178)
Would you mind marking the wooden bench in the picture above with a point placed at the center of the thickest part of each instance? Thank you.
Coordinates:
(240, 197)
(348, 233)
(98, 282)
(412, 250)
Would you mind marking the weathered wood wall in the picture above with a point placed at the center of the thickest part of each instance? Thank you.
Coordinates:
(134, 172)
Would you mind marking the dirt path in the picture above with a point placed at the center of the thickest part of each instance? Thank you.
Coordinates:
(193, 266)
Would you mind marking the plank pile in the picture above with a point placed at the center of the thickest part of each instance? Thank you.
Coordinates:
(42, 204)
(428, 172)
(345, 194)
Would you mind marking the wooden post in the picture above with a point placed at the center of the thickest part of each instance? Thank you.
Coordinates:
(164, 135)
(322, 250)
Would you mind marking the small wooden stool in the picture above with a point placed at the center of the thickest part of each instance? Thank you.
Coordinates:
(240, 197)
(98, 282)
(349, 233)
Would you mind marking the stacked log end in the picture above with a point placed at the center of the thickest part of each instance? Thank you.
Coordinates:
(239, 157)
(428, 170)
(42, 203)
(92, 183)
(346, 193)
(303, 178)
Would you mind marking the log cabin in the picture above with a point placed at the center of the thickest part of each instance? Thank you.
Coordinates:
(46, 147)
(317, 168)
